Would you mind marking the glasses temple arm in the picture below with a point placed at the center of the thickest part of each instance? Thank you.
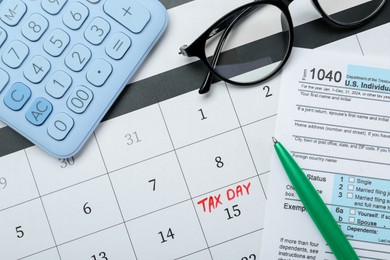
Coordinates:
(218, 28)
(227, 26)
(209, 77)
(229, 21)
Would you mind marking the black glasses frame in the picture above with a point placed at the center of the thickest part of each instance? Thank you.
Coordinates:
(226, 22)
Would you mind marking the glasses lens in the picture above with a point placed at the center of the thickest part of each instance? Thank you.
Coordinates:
(249, 45)
(349, 12)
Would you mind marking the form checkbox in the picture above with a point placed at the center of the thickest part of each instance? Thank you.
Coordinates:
(351, 187)
(351, 219)
(352, 211)
(349, 195)
(351, 179)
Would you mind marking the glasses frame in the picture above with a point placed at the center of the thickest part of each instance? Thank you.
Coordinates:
(197, 47)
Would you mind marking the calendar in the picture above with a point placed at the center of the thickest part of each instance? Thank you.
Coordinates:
(182, 178)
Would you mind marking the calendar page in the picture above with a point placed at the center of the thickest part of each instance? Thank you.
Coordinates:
(169, 174)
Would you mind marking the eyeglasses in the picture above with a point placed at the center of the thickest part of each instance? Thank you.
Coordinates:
(252, 43)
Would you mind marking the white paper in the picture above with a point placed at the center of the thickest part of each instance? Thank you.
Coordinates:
(333, 117)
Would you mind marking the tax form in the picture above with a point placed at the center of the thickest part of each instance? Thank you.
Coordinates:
(333, 117)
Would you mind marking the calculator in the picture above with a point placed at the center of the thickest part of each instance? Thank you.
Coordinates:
(64, 62)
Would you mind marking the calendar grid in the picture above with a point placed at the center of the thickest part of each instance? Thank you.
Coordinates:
(124, 221)
(238, 237)
(43, 205)
(116, 197)
(192, 198)
(90, 234)
(74, 185)
(246, 141)
(19, 204)
(140, 162)
(157, 210)
(36, 253)
(186, 184)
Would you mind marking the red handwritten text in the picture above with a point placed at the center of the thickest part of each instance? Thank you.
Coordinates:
(212, 202)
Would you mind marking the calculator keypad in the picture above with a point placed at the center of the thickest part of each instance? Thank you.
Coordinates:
(97, 31)
(13, 12)
(75, 15)
(56, 43)
(17, 96)
(118, 46)
(60, 126)
(57, 58)
(4, 78)
(15, 54)
(3, 36)
(99, 72)
(80, 99)
(78, 57)
(34, 27)
(37, 69)
(39, 111)
(133, 15)
(53, 7)
(58, 84)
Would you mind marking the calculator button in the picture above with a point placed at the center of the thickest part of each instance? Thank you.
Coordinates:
(78, 57)
(75, 16)
(60, 126)
(53, 7)
(97, 31)
(3, 36)
(99, 72)
(4, 78)
(56, 43)
(129, 13)
(17, 96)
(15, 54)
(37, 69)
(39, 111)
(13, 12)
(80, 99)
(58, 84)
(34, 27)
(118, 46)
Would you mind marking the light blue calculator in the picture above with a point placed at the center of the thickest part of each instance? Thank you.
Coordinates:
(64, 62)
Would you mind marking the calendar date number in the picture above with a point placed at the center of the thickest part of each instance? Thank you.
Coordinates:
(219, 162)
(153, 183)
(100, 256)
(267, 90)
(250, 257)
(87, 209)
(166, 236)
(132, 138)
(65, 163)
(233, 212)
(19, 232)
(3, 183)
(202, 114)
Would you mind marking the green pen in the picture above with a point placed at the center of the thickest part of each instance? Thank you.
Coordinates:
(315, 206)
